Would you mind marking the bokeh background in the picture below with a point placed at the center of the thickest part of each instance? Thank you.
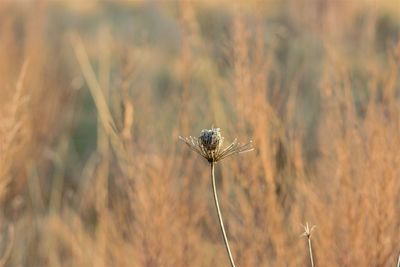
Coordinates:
(94, 95)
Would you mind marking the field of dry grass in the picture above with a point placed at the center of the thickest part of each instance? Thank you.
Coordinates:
(95, 94)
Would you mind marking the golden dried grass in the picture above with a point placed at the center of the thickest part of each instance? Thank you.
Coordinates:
(318, 94)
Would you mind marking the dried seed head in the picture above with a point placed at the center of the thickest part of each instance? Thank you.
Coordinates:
(211, 139)
(209, 145)
(308, 230)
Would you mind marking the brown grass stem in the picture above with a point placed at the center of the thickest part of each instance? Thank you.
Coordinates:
(221, 222)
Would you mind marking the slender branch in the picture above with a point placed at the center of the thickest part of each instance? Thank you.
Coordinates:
(221, 223)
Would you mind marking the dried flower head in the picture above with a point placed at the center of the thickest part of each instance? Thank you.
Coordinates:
(209, 145)
(308, 230)
(211, 139)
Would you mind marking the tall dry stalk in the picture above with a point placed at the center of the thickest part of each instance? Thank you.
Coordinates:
(209, 145)
(221, 222)
(307, 234)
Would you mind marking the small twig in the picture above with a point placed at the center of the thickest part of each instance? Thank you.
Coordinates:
(307, 233)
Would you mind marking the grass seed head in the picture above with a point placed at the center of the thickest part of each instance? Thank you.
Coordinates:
(308, 230)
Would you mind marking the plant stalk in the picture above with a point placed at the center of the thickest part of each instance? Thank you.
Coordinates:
(310, 250)
(221, 223)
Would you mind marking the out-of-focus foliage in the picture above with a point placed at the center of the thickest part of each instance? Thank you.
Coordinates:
(94, 95)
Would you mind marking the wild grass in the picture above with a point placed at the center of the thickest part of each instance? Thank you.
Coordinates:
(307, 234)
(95, 95)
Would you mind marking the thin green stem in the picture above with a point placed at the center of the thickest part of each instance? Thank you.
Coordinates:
(221, 223)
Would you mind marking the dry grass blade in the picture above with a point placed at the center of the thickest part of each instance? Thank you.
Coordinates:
(94, 87)
(98, 96)
(7, 251)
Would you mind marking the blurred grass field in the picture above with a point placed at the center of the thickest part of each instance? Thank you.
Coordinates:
(94, 95)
